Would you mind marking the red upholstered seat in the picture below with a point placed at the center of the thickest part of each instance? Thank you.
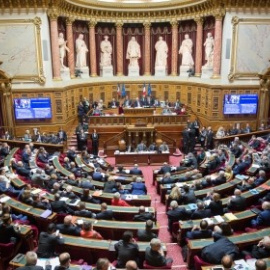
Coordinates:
(199, 262)
(7, 252)
(147, 266)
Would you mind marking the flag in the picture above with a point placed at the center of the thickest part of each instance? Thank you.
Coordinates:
(144, 90)
(118, 90)
(123, 94)
(149, 90)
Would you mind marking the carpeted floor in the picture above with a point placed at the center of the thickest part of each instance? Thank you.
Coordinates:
(173, 249)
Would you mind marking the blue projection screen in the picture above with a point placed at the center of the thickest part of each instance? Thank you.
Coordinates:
(32, 108)
(240, 104)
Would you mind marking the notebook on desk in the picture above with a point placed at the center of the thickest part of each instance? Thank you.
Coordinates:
(46, 213)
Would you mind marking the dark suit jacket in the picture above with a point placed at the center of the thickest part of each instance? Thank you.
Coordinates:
(6, 232)
(97, 176)
(110, 187)
(200, 214)
(61, 207)
(219, 180)
(107, 215)
(154, 258)
(4, 151)
(84, 213)
(165, 169)
(263, 219)
(143, 217)
(145, 236)
(47, 244)
(237, 203)
(189, 197)
(32, 267)
(198, 234)
(138, 188)
(68, 229)
(216, 208)
(135, 171)
(22, 171)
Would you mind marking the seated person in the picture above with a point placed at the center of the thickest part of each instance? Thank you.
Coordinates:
(141, 147)
(154, 255)
(261, 250)
(43, 156)
(165, 168)
(21, 170)
(117, 201)
(247, 184)
(237, 202)
(68, 227)
(227, 262)
(241, 165)
(254, 142)
(98, 175)
(214, 252)
(263, 219)
(71, 154)
(105, 213)
(64, 260)
(215, 205)
(146, 235)
(221, 179)
(152, 147)
(4, 150)
(87, 197)
(60, 206)
(143, 215)
(126, 250)
(201, 212)
(41, 203)
(138, 187)
(167, 179)
(176, 213)
(103, 264)
(199, 232)
(260, 179)
(26, 197)
(247, 129)
(110, 186)
(223, 229)
(27, 136)
(135, 170)
(83, 212)
(8, 233)
(220, 133)
(188, 195)
(88, 231)
(175, 195)
(31, 262)
(113, 103)
(48, 241)
(164, 147)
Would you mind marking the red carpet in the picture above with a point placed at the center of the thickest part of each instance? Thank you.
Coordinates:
(173, 249)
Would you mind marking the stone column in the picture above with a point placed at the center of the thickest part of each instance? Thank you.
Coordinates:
(147, 59)
(174, 24)
(92, 48)
(217, 46)
(54, 45)
(119, 49)
(70, 45)
(199, 46)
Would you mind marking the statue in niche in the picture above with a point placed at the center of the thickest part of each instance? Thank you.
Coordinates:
(81, 51)
(106, 52)
(62, 49)
(162, 53)
(186, 51)
(209, 50)
(133, 52)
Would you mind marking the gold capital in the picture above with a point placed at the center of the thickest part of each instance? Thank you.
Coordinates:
(174, 22)
(199, 20)
(70, 20)
(92, 23)
(53, 14)
(119, 24)
(147, 24)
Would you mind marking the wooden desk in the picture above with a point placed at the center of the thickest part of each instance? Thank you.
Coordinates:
(139, 111)
(143, 158)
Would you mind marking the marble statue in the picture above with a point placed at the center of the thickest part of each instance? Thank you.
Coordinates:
(162, 53)
(81, 50)
(133, 52)
(106, 52)
(186, 51)
(62, 49)
(209, 50)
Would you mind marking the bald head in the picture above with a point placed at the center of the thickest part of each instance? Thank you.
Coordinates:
(260, 265)
(64, 259)
(67, 220)
(227, 262)
(131, 265)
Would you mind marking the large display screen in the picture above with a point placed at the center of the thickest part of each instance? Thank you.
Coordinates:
(32, 108)
(240, 104)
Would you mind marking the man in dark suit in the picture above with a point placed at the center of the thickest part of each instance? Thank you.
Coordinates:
(138, 103)
(209, 144)
(60, 206)
(83, 212)
(240, 166)
(143, 215)
(141, 147)
(200, 232)
(263, 219)
(167, 179)
(71, 154)
(26, 155)
(64, 259)
(113, 103)
(152, 147)
(221, 179)
(138, 187)
(95, 142)
(62, 135)
(127, 102)
(189, 195)
(21, 170)
(154, 255)
(135, 170)
(4, 150)
(165, 168)
(48, 241)
(31, 261)
(7, 231)
(237, 202)
(201, 212)
(68, 228)
(97, 175)
(146, 235)
(105, 213)
(176, 213)
(261, 250)
(261, 178)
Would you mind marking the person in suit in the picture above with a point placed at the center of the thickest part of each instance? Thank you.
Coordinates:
(261, 178)
(143, 215)
(188, 196)
(83, 212)
(138, 103)
(26, 155)
(60, 206)
(68, 228)
(237, 202)
(241, 166)
(27, 136)
(113, 103)
(154, 255)
(62, 135)
(7, 136)
(201, 212)
(263, 219)
(87, 197)
(40, 203)
(214, 252)
(103, 264)
(221, 179)
(80, 111)
(65, 260)
(4, 150)
(110, 186)
(21, 170)
(105, 213)
(261, 250)
(127, 102)
(216, 206)
(176, 213)
(141, 147)
(254, 142)
(98, 175)
(135, 170)
(246, 184)
(48, 241)
(165, 168)
(81, 140)
(71, 153)
(31, 262)
(200, 232)
(152, 147)
(8, 233)
(247, 129)
(167, 179)
(164, 147)
(95, 142)
(209, 140)
(146, 235)
(138, 187)
(126, 249)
